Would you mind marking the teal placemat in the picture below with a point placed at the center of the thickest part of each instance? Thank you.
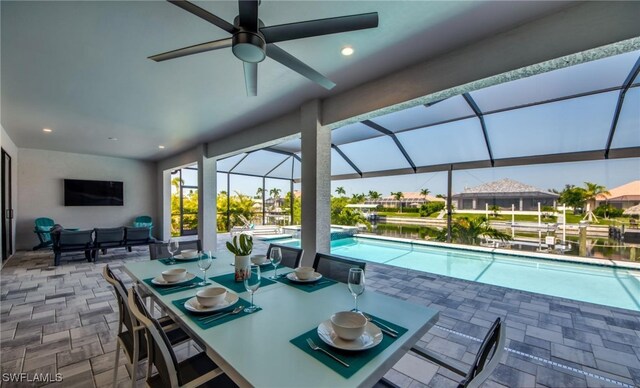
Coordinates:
(166, 290)
(206, 325)
(168, 261)
(229, 281)
(356, 360)
(307, 287)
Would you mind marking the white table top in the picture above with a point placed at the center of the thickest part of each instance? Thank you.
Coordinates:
(254, 350)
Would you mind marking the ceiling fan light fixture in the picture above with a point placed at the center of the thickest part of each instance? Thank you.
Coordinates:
(249, 47)
(161, 147)
(347, 51)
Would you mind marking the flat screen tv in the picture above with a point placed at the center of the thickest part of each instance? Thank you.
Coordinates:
(93, 193)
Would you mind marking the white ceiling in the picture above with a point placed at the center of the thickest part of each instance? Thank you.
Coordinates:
(81, 68)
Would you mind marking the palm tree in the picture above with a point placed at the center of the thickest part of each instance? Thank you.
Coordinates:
(259, 192)
(275, 194)
(374, 195)
(592, 191)
(467, 230)
(398, 196)
(358, 198)
(340, 191)
(425, 192)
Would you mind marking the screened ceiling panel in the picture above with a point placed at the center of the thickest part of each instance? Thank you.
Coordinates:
(579, 124)
(452, 108)
(379, 154)
(457, 141)
(289, 146)
(339, 166)
(628, 129)
(297, 168)
(352, 132)
(282, 171)
(224, 165)
(259, 162)
(583, 78)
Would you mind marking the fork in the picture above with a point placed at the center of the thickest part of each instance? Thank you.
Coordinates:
(380, 324)
(315, 347)
(215, 318)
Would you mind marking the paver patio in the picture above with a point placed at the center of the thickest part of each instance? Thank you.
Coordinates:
(64, 319)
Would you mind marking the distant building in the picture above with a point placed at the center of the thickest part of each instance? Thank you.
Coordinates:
(622, 197)
(503, 193)
(410, 199)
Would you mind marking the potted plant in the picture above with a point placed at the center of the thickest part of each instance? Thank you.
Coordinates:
(241, 246)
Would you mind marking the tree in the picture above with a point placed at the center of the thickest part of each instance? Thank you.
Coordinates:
(340, 191)
(259, 192)
(342, 215)
(465, 230)
(275, 194)
(573, 196)
(374, 195)
(398, 197)
(592, 191)
(297, 208)
(429, 208)
(495, 210)
(358, 198)
(425, 192)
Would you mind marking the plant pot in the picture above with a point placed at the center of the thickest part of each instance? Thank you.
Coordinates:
(243, 265)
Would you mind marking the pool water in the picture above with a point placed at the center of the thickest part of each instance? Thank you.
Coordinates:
(608, 286)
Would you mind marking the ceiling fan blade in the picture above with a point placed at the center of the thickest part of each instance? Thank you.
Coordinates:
(251, 78)
(195, 49)
(248, 14)
(204, 14)
(279, 55)
(291, 31)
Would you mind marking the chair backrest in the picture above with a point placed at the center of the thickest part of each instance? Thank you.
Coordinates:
(244, 220)
(290, 256)
(190, 244)
(42, 227)
(109, 235)
(143, 221)
(75, 237)
(488, 356)
(159, 250)
(336, 267)
(136, 233)
(126, 318)
(159, 349)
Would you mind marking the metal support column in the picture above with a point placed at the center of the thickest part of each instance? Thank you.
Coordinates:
(449, 210)
(291, 202)
(228, 202)
(264, 202)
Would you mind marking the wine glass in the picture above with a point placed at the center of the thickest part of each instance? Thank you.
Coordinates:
(356, 284)
(276, 257)
(204, 263)
(251, 284)
(173, 247)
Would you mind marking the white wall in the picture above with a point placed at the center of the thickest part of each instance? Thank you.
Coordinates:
(40, 188)
(9, 146)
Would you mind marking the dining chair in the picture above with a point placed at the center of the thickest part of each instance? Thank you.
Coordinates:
(336, 267)
(487, 359)
(290, 256)
(159, 250)
(105, 238)
(192, 372)
(132, 340)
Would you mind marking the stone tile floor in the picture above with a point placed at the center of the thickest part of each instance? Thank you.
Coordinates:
(64, 319)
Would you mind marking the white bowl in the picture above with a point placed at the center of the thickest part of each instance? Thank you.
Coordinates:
(304, 273)
(259, 259)
(174, 275)
(189, 253)
(211, 296)
(348, 325)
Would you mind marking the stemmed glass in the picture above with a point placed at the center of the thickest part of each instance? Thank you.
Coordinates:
(276, 257)
(356, 284)
(173, 247)
(204, 263)
(251, 284)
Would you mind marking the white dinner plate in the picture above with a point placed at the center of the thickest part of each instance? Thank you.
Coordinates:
(159, 280)
(314, 278)
(180, 257)
(193, 305)
(371, 337)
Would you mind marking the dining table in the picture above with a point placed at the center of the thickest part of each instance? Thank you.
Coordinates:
(268, 348)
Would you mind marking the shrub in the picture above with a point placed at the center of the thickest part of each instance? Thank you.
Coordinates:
(429, 208)
(608, 211)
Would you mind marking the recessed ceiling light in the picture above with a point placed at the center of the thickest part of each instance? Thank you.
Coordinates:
(161, 147)
(47, 130)
(347, 51)
(113, 138)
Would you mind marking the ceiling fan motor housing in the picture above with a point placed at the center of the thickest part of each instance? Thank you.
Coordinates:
(249, 46)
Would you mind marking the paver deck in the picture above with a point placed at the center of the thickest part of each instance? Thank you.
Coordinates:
(64, 319)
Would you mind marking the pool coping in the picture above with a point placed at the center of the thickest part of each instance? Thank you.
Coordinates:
(538, 255)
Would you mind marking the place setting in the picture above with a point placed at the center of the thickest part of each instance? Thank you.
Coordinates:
(348, 340)
(185, 256)
(215, 305)
(179, 279)
(305, 279)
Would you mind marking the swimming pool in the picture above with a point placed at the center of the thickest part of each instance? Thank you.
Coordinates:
(608, 286)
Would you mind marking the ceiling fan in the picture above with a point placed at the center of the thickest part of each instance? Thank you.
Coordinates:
(252, 42)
